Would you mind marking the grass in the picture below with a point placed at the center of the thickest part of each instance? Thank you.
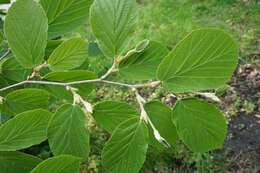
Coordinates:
(168, 21)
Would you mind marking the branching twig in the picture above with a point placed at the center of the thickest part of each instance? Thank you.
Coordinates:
(153, 84)
(110, 71)
(6, 54)
(114, 67)
(36, 72)
(100, 80)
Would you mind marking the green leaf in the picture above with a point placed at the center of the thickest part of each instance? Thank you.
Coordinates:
(93, 50)
(110, 114)
(59, 164)
(12, 70)
(2, 37)
(60, 92)
(221, 90)
(205, 59)
(4, 110)
(4, 118)
(200, 125)
(24, 130)
(65, 15)
(83, 66)
(143, 65)
(26, 99)
(113, 23)
(69, 55)
(26, 28)
(126, 149)
(3, 83)
(67, 133)
(3, 49)
(160, 115)
(11, 162)
(2, 13)
(51, 46)
(5, 2)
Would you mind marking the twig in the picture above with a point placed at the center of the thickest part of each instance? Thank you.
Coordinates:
(117, 60)
(110, 71)
(75, 95)
(210, 96)
(146, 118)
(36, 72)
(153, 84)
(78, 99)
(6, 54)
(114, 67)
(1, 100)
(129, 53)
(141, 103)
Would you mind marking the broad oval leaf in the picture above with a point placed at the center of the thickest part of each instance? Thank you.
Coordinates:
(59, 164)
(12, 161)
(24, 130)
(26, 99)
(65, 15)
(12, 70)
(160, 115)
(67, 133)
(205, 59)
(110, 114)
(126, 149)
(199, 124)
(69, 55)
(72, 76)
(113, 24)
(26, 28)
(51, 46)
(143, 65)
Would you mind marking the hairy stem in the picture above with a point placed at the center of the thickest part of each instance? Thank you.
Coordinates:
(78, 99)
(110, 71)
(36, 72)
(1, 100)
(146, 118)
(153, 84)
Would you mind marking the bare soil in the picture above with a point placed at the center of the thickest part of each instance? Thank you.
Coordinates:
(243, 139)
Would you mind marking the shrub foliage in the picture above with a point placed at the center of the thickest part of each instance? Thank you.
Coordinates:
(39, 65)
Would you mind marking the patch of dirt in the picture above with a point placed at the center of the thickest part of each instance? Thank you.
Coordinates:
(243, 139)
